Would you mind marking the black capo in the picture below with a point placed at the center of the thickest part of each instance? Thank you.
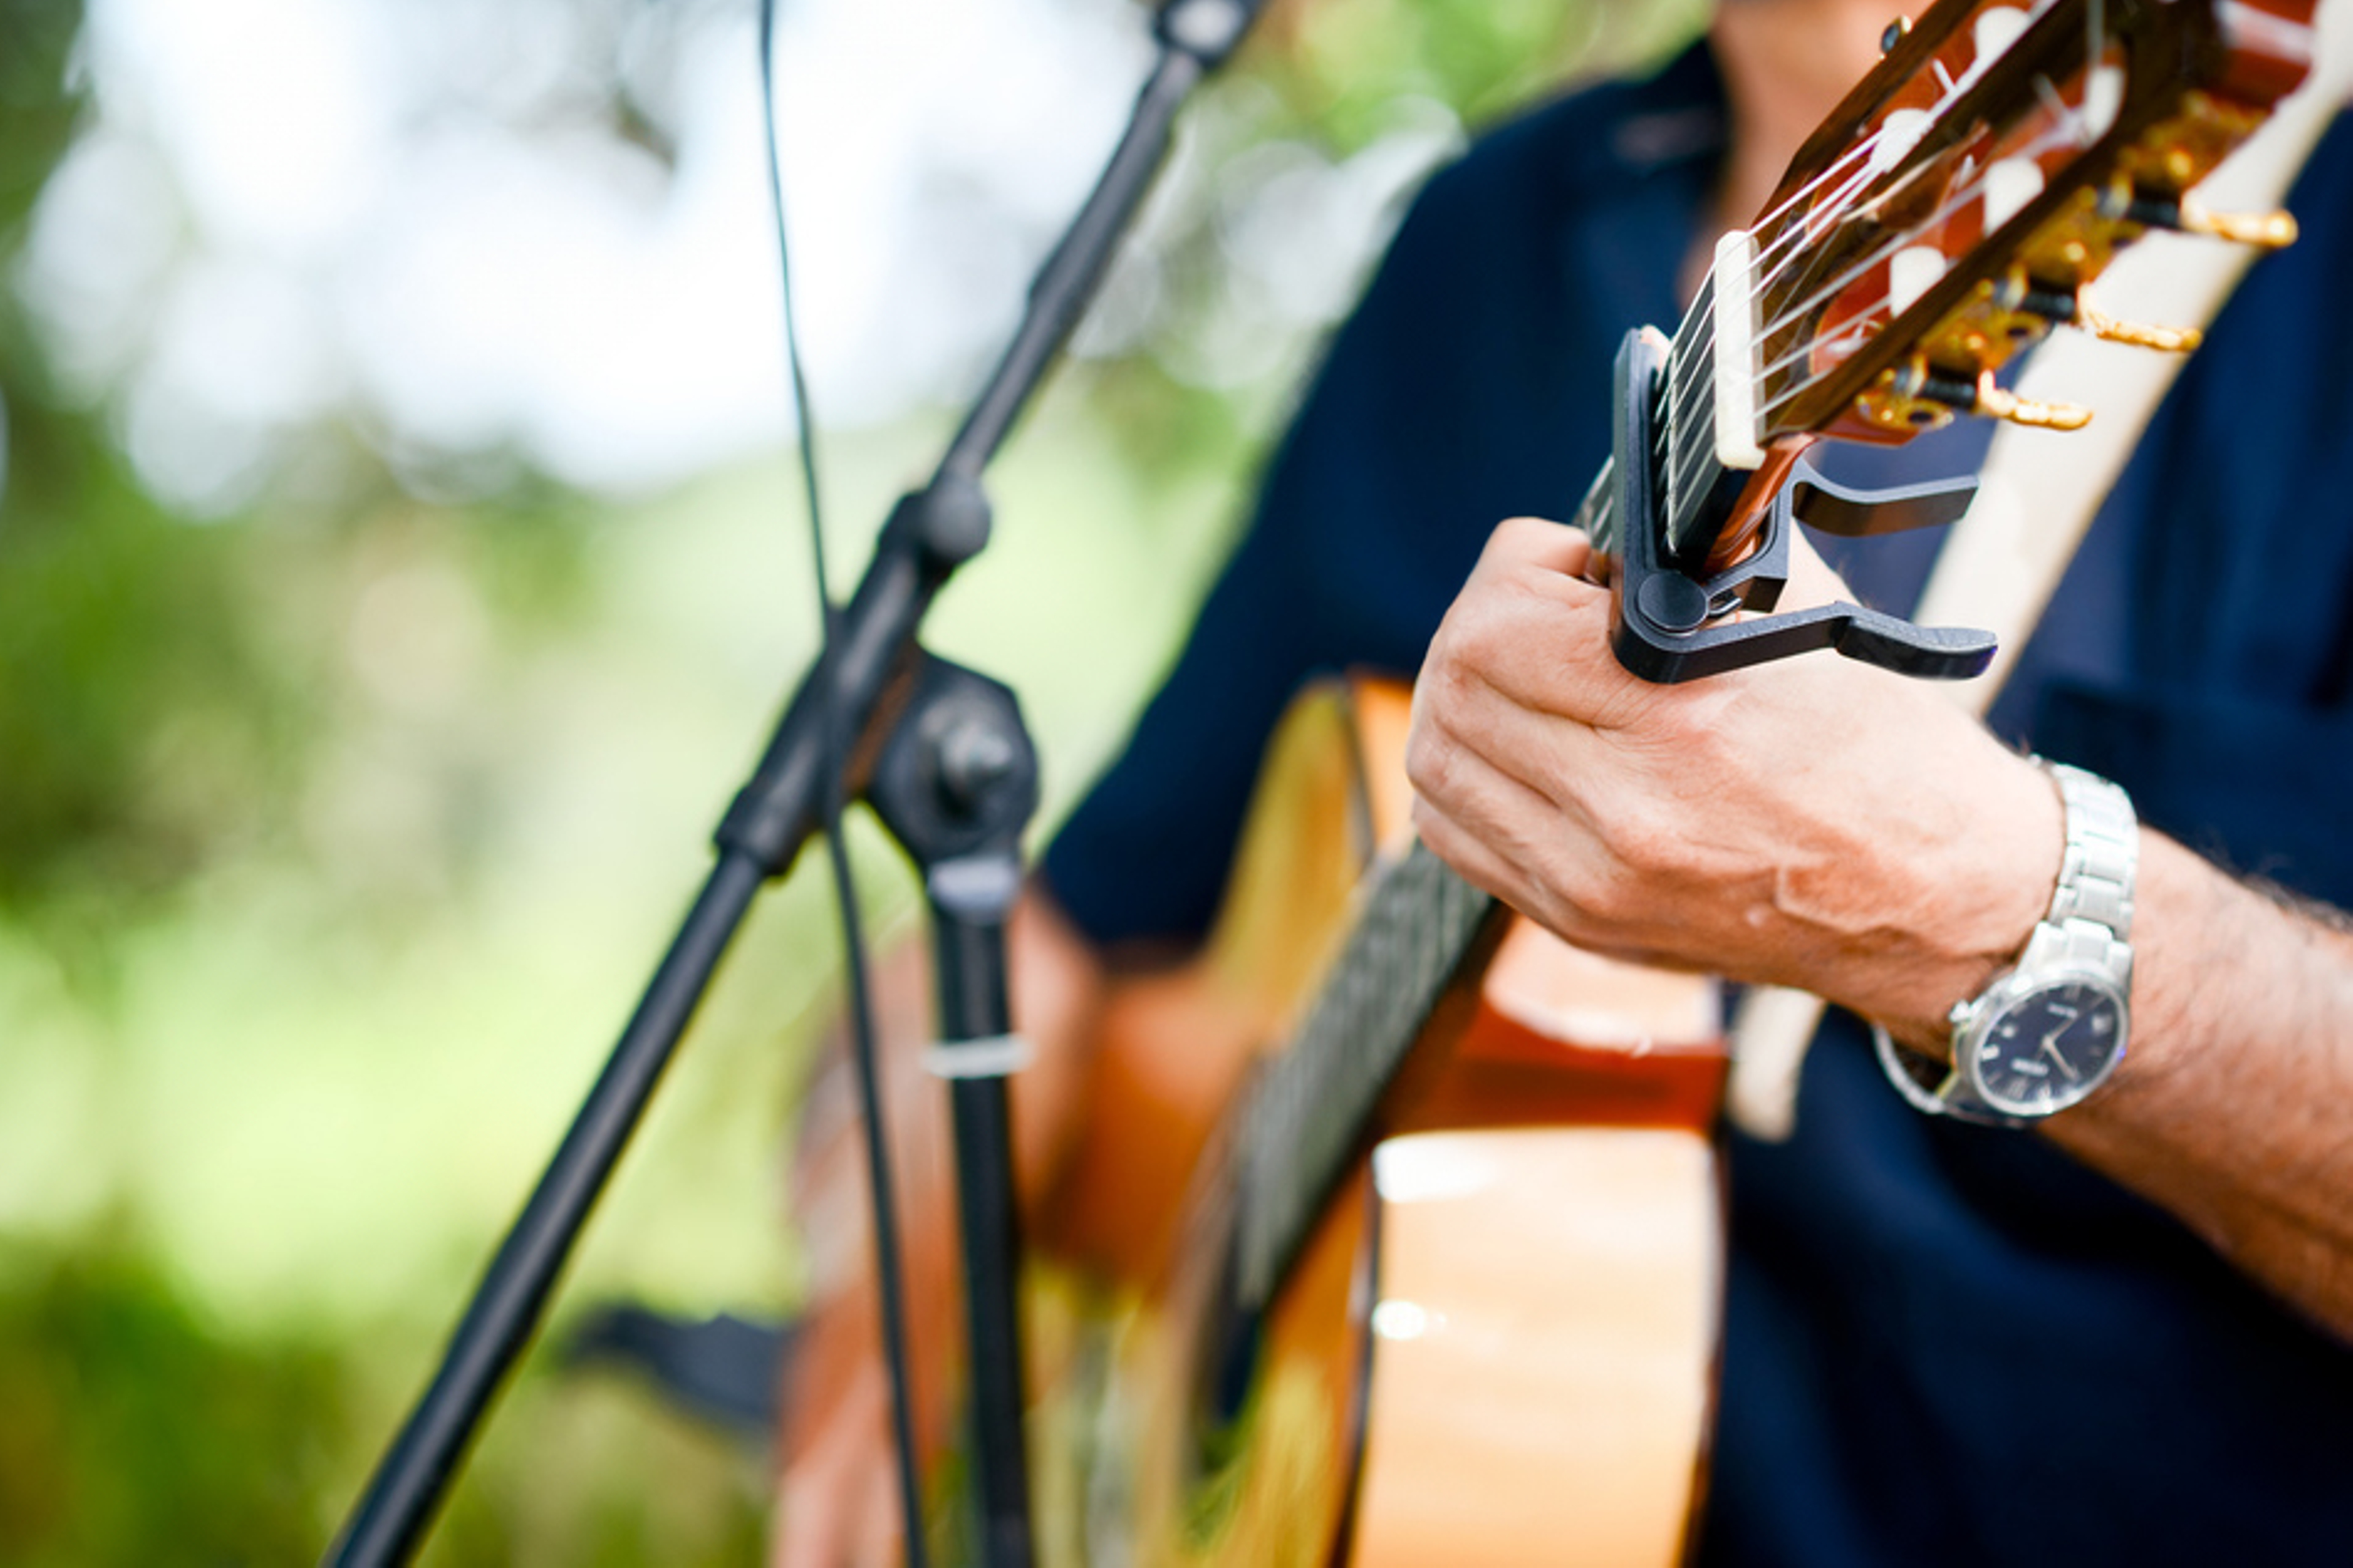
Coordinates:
(1669, 626)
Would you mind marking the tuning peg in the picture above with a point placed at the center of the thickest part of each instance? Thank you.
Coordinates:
(1998, 403)
(2165, 340)
(2266, 231)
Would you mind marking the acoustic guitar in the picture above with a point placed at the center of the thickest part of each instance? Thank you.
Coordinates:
(1395, 1235)
(1442, 1285)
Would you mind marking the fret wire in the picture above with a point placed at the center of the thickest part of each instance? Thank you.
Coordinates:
(1682, 374)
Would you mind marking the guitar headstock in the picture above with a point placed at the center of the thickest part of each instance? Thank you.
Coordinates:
(1950, 211)
(1946, 216)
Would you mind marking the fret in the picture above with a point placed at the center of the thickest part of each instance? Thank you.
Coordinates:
(1708, 408)
(1420, 924)
(1596, 514)
(1685, 418)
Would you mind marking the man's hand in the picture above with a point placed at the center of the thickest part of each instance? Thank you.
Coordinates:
(1821, 824)
(1816, 822)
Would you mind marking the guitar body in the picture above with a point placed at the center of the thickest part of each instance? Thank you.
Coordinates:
(1496, 1343)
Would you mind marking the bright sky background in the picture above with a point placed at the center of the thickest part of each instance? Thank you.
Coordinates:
(415, 215)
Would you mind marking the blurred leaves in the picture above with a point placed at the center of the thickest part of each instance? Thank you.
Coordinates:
(133, 1435)
(333, 828)
(1341, 66)
(136, 709)
(1292, 168)
(36, 114)
(140, 719)
(135, 1432)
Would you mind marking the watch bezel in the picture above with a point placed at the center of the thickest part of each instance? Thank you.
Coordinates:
(2007, 994)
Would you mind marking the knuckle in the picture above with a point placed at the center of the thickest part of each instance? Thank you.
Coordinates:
(1642, 847)
(1611, 894)
(1428, 760)
(1517, 535)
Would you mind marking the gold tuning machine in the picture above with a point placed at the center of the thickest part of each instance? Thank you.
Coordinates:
(2165, 340)
(2265, 231)
(2000, 402)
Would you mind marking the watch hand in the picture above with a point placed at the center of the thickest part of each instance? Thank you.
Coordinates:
(2050, 1049)
(2066, 1016)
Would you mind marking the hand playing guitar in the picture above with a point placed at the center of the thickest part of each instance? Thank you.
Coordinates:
(1819, 823)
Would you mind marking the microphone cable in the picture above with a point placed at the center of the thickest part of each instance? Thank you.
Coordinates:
(889, 1275)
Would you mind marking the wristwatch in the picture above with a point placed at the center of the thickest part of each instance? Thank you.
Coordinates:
(2044, 1035)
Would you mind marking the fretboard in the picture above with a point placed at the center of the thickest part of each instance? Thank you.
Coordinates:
(1421, 923)
(1683, 423)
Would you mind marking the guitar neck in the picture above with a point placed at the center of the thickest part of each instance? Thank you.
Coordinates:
(1422, 929)
(1697, 486)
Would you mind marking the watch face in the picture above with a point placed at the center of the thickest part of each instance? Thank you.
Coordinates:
(2045, 1051)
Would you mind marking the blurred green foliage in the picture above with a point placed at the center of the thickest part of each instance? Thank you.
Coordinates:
(84, 554)
(129, 1427)
(137, 1432)
(336, 833)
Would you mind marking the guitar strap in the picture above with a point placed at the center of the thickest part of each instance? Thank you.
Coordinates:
(2001, 563)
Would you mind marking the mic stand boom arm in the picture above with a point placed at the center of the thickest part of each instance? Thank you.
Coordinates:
(929, 534)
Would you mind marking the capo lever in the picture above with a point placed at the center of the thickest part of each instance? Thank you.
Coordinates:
(1850, 513)
(1669, 626)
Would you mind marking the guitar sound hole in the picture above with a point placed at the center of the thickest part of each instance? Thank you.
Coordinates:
(1237, 1367)
(1227, 1376)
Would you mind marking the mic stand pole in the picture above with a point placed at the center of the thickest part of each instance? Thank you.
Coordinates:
(929, 534)
(956, 785)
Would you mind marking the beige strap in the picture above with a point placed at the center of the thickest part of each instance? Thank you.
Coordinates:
(2003, 561)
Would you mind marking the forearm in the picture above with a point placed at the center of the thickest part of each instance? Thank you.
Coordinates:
(2233, 1108)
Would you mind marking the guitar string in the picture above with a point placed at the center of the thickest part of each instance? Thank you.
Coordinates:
(1936, 112)
(1963, 196)
(2068, 125)
(1685, 382)
(1295, 1147)
(1854, 274)
(1690, 360)
(1789, 236)
(1683, 409)
(1692, 364)
(1684, 401)
(1770, 258)
(1772, 268)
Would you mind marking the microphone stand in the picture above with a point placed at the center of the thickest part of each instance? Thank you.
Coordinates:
(958, 792)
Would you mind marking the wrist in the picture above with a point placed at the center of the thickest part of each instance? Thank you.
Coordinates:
(2049, 1031)
(1981, 898)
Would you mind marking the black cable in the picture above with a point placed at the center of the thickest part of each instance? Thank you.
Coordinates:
(889, 1278)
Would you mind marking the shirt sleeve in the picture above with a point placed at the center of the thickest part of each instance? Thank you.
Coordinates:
(1144, 857)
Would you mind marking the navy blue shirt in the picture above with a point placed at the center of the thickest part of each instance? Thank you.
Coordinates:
(1944, 1344)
